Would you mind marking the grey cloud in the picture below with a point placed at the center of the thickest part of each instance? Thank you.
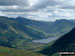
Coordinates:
(13, 2)
(63, 4)
(41, 4)
(67, 7)
(45, 3)
(33, 11)
(15, 9)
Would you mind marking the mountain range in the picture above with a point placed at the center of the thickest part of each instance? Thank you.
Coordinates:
(57, 28)
(21, 30)
(18, 33)
(15, 34)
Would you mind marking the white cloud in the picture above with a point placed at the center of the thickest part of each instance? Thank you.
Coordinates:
(2, 14)
(44, 15)
(55, 9)
(70, 2)
(32, 2)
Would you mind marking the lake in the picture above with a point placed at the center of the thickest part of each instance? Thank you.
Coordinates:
(45, 41)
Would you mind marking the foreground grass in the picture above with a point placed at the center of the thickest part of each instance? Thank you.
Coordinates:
(5, 51)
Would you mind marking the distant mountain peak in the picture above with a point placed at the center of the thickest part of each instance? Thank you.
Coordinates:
(62, 20)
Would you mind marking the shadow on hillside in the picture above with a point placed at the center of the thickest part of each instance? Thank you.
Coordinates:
(61, 44)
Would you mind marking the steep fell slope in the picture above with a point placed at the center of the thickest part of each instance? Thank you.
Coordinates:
(65, 43)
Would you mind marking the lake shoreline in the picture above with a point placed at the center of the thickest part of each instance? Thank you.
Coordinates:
(45, 41)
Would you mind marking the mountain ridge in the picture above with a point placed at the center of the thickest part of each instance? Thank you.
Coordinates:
(13, 32)
(64, 44)
(53, 28)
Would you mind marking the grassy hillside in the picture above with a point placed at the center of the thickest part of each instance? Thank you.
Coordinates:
(61, 27)
(41, 25)
(5, 51)
(36, 29)
(65, 43)
(57, 28)
(19, 33)
(15, 34)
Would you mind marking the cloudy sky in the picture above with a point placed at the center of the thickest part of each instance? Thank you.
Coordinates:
(46, 10)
